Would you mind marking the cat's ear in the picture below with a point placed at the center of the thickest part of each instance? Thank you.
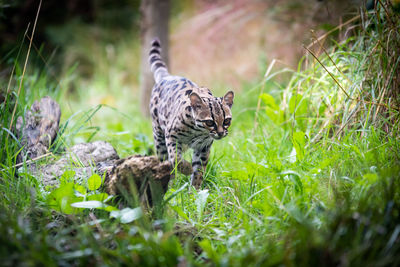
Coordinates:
(195, 101)
(228, 98)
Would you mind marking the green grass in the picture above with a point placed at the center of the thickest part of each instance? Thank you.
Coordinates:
(307, 177)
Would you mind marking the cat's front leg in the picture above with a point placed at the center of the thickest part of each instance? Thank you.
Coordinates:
(199, 164)
(161, 148)
(175, 156)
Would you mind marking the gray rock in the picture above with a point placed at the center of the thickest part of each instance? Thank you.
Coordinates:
(83, 159)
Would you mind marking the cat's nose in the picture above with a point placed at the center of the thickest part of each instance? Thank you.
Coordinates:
(220, 131)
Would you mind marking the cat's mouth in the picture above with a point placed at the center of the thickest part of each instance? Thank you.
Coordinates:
(217, 137)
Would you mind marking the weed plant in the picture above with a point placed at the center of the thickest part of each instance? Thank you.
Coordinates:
(308, 176)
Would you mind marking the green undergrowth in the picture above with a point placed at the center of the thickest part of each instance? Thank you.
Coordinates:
(308, 175)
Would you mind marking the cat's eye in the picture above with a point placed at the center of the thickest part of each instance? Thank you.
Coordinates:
(210, 123)
(227, 121)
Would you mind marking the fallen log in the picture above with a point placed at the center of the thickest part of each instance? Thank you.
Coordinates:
(147, 173)
(38, 130)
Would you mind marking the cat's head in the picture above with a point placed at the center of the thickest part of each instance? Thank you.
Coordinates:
(213, 113)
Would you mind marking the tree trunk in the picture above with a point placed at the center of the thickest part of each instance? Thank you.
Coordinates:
(154, 23)
(38, 128)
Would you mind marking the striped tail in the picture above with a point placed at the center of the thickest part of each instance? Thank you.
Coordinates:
(157, 65)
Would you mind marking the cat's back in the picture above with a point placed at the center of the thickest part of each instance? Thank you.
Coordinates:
(173, 85)
(172, 92)
(169, 97)
(177, 87)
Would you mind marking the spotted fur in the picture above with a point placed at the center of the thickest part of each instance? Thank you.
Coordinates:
(185, 115)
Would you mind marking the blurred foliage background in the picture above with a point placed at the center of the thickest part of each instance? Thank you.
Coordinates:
(226, 40)
(89, 51)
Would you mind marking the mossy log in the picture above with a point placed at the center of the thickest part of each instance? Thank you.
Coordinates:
(149, 176)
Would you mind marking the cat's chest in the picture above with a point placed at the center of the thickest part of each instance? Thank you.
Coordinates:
(195, 139)
(187, 133)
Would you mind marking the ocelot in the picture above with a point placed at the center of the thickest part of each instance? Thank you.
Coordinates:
(185, 115)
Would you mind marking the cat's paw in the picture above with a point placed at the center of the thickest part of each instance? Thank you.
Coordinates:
(197, 179)
(185, 167)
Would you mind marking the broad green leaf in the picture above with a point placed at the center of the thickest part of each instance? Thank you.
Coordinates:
(127, 215)
(298, 104)
(176, 192)
(276, 115)
(256, 169)
(295, 179)
(180, 212)
(77, 254)
(110, 208)
(61, 198)
(94, 204)
(272, 109)
(205, 244)
(322, 108)
(91, 204)
(299, 142)
(99, 197)
(269, 101)
(201, 201)
(94, 182)
(67, 177)
(238, 174)
(292, 156)
(370, 178)
(80, 189)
